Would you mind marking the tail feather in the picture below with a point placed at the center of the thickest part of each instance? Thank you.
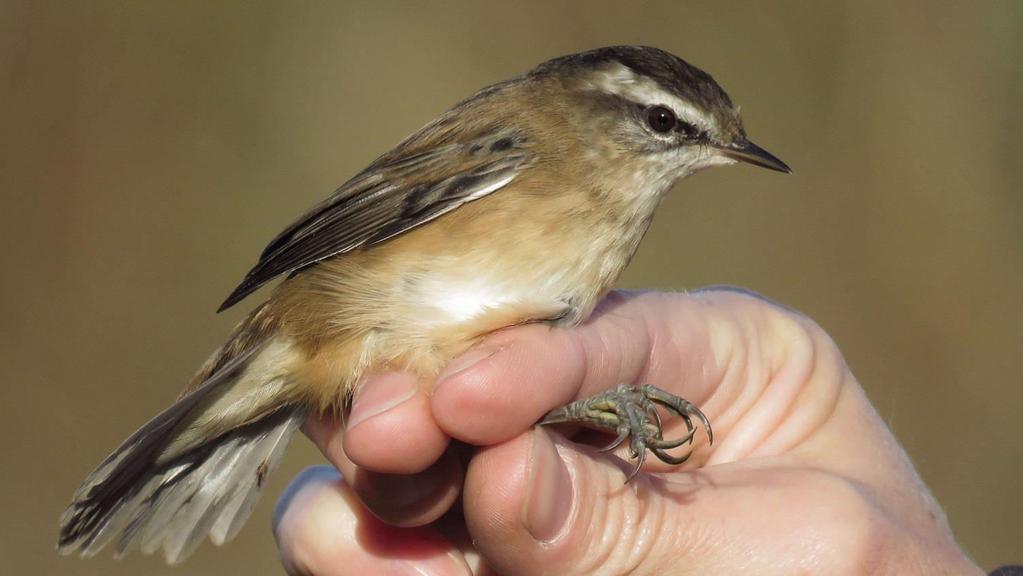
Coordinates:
(219, 493)
(96, 503)
(156, 491)
(237, 503)
(210, 491)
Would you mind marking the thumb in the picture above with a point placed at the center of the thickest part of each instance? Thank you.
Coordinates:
(538, 504)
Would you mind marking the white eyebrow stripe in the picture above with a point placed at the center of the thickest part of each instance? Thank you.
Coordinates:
(622, 81)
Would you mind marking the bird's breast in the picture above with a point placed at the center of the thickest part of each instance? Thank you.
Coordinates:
(555, 264)
(417, 300)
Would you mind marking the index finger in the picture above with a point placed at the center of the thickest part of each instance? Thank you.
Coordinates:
(515, 376)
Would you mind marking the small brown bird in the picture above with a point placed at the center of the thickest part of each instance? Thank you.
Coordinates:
(521, 204)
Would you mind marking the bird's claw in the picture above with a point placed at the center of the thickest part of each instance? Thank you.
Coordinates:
(631, 413)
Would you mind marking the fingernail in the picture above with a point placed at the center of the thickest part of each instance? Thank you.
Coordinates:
(464, 362)
(550, 495)
(380, 394)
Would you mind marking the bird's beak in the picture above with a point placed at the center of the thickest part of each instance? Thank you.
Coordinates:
(746, 151)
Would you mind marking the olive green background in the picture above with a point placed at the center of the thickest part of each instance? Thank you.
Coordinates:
(149, 150)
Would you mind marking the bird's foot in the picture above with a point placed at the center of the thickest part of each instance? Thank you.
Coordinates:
(631, 413)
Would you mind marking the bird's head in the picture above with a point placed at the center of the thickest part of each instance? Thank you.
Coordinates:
(646, 107)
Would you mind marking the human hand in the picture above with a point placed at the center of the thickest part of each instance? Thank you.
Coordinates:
(803, 476)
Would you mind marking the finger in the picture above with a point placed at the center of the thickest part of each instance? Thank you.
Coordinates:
(398, 499)
(767, 378)
(536, 505)
(390, 428)
(515, 376)
(500, 388)
(321, 528)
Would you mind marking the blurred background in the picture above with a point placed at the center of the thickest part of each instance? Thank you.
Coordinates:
(150, 150)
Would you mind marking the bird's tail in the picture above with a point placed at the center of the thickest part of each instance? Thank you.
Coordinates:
(198, 467)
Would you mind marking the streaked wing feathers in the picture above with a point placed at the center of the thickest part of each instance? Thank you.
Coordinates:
(403, 189)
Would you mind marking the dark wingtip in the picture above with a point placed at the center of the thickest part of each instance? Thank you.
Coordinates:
(226, 304)
(239, 293)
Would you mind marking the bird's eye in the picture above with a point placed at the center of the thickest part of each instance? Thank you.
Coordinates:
(660, 119)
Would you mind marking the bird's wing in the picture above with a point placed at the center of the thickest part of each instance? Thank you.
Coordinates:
(431, 173)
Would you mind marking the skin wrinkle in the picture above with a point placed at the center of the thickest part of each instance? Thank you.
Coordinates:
(619, 534)
(601, 549)
(681, 332)
(735, 441)
(596, 352)
(652, 361)
(650, 523)
(624, 559)
(636, 542)
(784, 386)
(653, 325)
(635, 373)
(675, 545)
(761, 411)
(811, 337)
(624, 539)
(815, 405)
(730, 359)
(845, 393)
(695, 533)
(738, 401)
(578, 351)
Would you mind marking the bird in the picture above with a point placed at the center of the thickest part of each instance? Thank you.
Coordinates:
(523, 203)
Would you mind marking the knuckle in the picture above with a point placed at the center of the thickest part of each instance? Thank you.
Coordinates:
(775, 311)
(799, 332)
(846, 517)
